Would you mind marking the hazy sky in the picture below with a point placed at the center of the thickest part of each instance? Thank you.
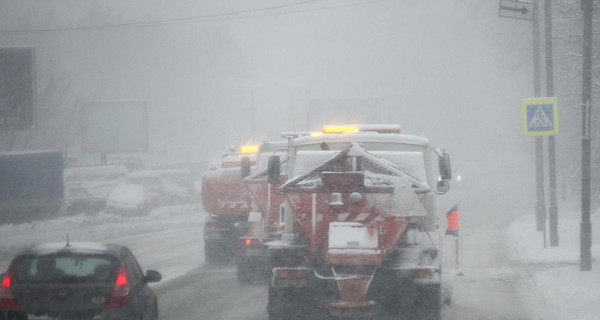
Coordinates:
(453, 70)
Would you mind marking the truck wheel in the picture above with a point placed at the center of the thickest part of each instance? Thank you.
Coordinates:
(17, 315)
(244, 272)
(430, 304)
(211, 256)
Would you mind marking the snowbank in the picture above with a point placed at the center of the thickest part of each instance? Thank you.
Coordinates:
(157, 239)
(567, 292)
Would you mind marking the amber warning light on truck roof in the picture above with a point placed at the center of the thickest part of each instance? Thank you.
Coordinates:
(379, 128)
(249, 149)
(340, 129)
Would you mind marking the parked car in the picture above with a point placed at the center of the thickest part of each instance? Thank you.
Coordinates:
(99, 192)
(130, 199)
(77, 199)
(180, 177)
(165, 191)
(79, 175)
(88, 197)
(79, 280)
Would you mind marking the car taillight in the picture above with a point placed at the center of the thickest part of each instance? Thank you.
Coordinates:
(120, 293)
(7, 299)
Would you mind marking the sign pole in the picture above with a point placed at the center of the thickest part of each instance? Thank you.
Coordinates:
(540, 118)
(553, 209)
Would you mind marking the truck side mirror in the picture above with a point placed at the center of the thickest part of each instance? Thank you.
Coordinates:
(443, 186)
(274, 170)
(245, 166)
(445, 168)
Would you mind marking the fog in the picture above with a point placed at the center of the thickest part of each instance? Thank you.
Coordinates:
(217, 73)
(221, 73)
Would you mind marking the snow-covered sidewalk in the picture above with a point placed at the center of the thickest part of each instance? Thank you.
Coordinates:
(564, 291)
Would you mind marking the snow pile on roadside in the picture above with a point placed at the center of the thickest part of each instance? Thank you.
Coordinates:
(102, 227)
(568, 292)
(75, 222)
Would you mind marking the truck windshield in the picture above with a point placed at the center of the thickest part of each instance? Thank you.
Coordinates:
(410, 161)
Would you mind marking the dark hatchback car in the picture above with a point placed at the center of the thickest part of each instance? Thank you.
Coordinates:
(80, 280)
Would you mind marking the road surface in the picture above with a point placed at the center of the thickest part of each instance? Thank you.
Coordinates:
(170, 240)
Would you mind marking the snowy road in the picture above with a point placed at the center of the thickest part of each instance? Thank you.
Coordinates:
(170, 240)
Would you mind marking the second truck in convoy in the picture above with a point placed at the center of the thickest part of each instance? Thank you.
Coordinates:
(227, 201)
(265, 223)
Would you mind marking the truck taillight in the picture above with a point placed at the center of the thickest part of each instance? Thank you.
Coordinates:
(253, 242)
(7, 299)
(120, 293)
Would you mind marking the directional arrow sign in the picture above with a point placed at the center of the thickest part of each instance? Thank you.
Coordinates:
(540, 116)
(516, 9)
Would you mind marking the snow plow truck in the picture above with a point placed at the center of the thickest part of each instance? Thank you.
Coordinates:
(360, 238)
(227, 201)
(265, 224)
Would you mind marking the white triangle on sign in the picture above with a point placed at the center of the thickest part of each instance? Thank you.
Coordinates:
(540, 119)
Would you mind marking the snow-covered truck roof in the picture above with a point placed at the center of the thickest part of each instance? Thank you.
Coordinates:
(363, 137)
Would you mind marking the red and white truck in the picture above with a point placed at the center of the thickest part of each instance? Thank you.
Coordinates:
(227, 201)
(265, 223)
(360, 237)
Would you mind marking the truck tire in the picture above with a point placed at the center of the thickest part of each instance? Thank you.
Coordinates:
(16, 315)
(430, 304)
(244, 272)
(211, 255)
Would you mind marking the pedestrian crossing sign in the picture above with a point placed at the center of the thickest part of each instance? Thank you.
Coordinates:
(540, 116)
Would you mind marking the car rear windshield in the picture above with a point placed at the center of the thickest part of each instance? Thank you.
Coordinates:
(61, 267)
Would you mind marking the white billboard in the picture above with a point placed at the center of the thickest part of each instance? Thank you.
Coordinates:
(17, 87)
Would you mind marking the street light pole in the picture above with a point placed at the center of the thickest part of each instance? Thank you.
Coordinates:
(553, 209)
(540, 208)
(586, 226)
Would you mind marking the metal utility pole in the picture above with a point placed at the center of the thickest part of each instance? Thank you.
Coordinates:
(587, 6)
(540, 212)
(553, 210)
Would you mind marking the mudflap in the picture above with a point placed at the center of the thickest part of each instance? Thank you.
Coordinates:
(404, 298)
(429, 305)
(296, 303)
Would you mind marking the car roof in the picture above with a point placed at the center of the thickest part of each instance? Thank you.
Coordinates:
(73, 247)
